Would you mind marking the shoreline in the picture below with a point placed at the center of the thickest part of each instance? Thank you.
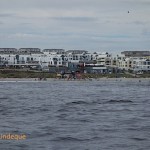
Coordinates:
(20, 74)
(56, 79)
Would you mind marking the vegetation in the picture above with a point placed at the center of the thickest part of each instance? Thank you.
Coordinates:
(25, 74)
(11, 73)
(112, 75)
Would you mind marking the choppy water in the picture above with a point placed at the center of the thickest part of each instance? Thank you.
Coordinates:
(108, 114)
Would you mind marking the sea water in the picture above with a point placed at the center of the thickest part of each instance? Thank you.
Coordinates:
(104, 114)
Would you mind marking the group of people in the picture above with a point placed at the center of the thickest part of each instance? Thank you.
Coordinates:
(41, 79)
(69, 76)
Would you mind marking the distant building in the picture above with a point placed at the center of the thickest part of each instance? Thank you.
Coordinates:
(136, 53)
(103, 59)
(76, 51)
(140, 64)
(58, 51)
(8, 50)
(95, 68)
(29, 50)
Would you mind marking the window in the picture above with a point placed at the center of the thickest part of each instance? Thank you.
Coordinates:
(28, 59)
(73, 57)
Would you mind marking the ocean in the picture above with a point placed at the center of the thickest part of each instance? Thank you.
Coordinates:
(104, 114)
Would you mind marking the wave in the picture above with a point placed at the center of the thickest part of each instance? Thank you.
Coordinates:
(73, 139)
(139, 139)
(4, 98)
(120, 101)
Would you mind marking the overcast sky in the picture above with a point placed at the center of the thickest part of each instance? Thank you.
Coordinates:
(94, 25)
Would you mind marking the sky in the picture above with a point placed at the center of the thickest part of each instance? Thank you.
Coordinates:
(93, 25)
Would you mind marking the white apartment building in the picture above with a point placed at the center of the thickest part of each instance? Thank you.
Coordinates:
(133, 63)
(52, 57)
(141, 64)
(123, 62)
(103, 58)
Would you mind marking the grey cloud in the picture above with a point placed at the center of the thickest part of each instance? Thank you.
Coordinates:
(145, 2)
(146, 32)
(6, 15)
(80, 19)
(25, 23)
(90, 23)
(139, 23)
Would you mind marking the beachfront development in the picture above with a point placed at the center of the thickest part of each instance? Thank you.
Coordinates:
(60, 60)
